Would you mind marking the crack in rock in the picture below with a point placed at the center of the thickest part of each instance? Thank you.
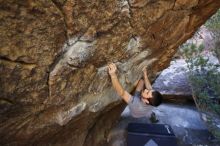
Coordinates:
(19, 62)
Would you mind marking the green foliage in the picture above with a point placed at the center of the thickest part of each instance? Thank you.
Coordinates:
(214, 22)
(204, 77)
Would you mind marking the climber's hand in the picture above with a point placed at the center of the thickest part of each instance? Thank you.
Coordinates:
(112, 69)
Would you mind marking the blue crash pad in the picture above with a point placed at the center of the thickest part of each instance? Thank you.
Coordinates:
(140, 134)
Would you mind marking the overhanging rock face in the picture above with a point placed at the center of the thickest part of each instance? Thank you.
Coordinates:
(54, 86)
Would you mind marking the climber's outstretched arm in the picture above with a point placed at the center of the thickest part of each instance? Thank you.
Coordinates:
(116, 84)
(146, 80)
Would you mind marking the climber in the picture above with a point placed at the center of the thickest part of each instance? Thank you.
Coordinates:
(143, 100)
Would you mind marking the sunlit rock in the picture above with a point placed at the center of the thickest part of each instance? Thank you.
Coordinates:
(55, 89)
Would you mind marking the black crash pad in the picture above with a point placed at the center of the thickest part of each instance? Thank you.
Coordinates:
(140, 134)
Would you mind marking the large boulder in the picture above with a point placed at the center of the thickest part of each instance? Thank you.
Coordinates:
(173, 83)
(54, 86)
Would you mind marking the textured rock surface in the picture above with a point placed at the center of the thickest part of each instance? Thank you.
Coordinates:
(53, 56)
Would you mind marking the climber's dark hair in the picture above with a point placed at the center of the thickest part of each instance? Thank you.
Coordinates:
(156, 99)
